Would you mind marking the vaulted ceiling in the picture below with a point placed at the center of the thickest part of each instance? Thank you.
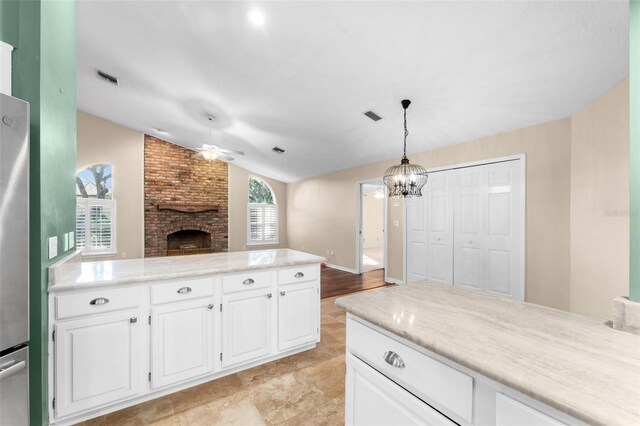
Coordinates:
(303, 78)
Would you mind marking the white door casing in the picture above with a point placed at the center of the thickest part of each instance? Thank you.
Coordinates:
(181, 341)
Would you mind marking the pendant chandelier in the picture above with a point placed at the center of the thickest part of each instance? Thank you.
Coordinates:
(405, 180)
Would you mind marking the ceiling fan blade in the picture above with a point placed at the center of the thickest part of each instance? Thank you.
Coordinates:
(230, 151)
(224, 157)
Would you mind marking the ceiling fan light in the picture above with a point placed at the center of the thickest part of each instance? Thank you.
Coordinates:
(209, 155)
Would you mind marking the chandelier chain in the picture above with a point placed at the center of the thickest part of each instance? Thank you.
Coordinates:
(406, 133)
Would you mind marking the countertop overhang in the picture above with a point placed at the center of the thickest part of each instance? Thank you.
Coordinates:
(74, 275)
(574, 363)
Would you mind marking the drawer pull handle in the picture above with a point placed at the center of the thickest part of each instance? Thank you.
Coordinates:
(99, 301)
(393, 359)
(184, 290)
(248, 281)
(269, 295)
(299, 275)
(282, 293)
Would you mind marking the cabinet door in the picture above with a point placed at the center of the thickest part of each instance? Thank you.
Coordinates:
(297, 314)
(96, 361)
(181, 341)
(372, 399)
(246, 326)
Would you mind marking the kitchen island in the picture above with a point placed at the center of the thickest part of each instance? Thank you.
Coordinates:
(127, 331)
(431, 353)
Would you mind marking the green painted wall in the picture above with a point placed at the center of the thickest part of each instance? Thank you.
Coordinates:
(634, 151)
(44, 74)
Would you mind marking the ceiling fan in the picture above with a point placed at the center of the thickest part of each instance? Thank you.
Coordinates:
(213, 152)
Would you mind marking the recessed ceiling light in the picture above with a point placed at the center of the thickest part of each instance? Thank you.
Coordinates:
(256, 17)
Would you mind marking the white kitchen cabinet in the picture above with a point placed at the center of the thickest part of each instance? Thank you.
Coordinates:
(510, 412)
(372, 399)
(181, 341)
(297, 314)
(246, 326)
(97, 361)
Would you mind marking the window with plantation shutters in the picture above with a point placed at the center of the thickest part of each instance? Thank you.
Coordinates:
(95, 226)
(262, 214)
(95, 211)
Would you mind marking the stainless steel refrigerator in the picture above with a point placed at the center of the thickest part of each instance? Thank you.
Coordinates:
(14, 261)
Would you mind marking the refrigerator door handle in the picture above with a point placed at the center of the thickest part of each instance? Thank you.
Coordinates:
(10, 371)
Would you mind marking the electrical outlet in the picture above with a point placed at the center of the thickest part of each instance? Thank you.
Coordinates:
(396, 222)
(53, 247)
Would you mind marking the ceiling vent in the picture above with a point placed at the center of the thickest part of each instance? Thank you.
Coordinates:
(108, 78)
(372, 115)
(277, 150)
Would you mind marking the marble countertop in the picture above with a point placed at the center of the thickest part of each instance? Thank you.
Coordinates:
(73, 274)
(575, 363)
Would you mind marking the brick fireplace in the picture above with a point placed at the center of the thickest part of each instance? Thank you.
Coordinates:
(185, 201)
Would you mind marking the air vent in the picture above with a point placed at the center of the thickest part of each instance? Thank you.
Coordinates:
(109, 78)
(277, 150)
(372, 115)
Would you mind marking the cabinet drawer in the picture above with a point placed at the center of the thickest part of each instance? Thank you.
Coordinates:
(249, 280)
(96, 302)
(298, 274)
(176, 291)
(446, 388)
(511, 412)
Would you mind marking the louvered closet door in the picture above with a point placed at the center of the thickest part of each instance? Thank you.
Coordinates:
(504, 229)
(439, 205)
(469, 207)
(416, 239)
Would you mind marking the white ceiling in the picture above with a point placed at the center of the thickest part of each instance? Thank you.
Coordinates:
(303, 81)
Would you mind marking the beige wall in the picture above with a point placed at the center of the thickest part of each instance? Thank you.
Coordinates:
(322, 210)
(238, 199)
(372, 218)
(101, 141)
(600, 203)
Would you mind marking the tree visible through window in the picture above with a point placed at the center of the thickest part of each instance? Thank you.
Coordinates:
(95, 210)
(262, 214)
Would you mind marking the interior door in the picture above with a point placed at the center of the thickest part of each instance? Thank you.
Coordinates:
(439, 223)
(416, 239)
(181, 341)
(469, 226)
(246, 326)
(297, 314)
(504, 227)
(97, 361)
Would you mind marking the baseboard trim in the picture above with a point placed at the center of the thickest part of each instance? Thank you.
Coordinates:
(341, 268)
(393, 280)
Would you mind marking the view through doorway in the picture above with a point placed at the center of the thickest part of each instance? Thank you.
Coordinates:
(372, 226)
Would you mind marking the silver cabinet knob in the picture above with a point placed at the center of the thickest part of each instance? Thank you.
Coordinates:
(99, 301)
(299, 275)
(282, 293)
(184, 290)
(133, 320)
(393, 359)
(269, 295)
(438, 239)
(469, 242)
(210, 306)
(248, 281)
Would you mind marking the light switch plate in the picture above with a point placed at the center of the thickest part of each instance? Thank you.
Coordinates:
(72, 239)
(53, 247)
(65, 242)
(396, 222)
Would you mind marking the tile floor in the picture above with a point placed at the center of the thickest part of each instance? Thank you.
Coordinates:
(303, 389)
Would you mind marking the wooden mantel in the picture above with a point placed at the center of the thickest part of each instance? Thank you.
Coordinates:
(192, 208)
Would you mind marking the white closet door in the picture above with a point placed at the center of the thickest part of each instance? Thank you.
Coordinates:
(504, 229)
(416, 240)
(469, 227)
(439, 223)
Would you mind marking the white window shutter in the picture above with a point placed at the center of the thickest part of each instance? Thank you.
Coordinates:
(95, 226)
(262, 224)
(81, 222)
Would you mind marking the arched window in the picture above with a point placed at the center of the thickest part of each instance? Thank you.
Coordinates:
(95, 210)
(262, 214)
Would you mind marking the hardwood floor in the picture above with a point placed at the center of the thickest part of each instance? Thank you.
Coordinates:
(339, 283)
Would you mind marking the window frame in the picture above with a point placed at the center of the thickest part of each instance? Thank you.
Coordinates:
(88, 202)
(263, 206)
